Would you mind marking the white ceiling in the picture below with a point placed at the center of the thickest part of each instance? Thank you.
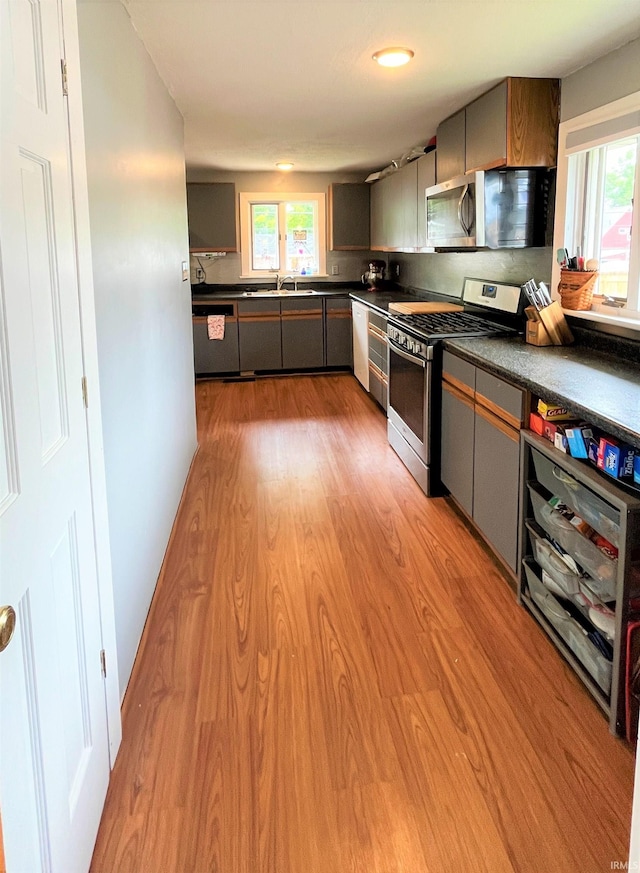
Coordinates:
(265, 80)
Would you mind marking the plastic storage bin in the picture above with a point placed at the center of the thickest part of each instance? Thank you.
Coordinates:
(549, 560)
(570, 631)
(595, 511)
(591, 559)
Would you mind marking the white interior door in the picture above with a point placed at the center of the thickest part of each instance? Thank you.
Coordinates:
(54, 763)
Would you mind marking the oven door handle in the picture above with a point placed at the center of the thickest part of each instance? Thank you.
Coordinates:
(401, 352)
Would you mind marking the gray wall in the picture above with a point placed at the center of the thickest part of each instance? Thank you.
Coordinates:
(227, 270)
(607, 79)
(445, 272)
(136, 174)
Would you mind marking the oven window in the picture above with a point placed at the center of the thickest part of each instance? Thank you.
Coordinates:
(407, 392)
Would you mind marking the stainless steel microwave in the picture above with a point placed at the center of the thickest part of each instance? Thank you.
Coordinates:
(495, 209)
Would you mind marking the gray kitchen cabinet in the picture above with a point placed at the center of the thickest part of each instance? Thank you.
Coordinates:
(496, 470)
(409, 206)
(514, 124)
(480, 456)
(450, 155)
(378, 365)
(379, 218)
(338, 332)
(426, 168)
(259, 335)
(211, 209)
(458, 434)
(215, 356)
(302, 333)
(349, 216)
(394, 211)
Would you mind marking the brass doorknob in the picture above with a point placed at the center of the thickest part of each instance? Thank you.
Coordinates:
(7, 625)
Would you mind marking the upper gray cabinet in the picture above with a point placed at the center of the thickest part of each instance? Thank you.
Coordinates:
(451, 147)
(397, 207)
(426, 169)
(349, 207)
(514, 124)
(211, 208)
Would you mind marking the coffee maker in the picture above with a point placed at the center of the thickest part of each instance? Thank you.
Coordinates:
(374, 277)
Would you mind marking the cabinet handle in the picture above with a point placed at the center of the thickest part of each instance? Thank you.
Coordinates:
(459, 395)
(498, 423)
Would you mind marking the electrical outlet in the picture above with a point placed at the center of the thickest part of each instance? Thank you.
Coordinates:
(396, 271)
(335, 270)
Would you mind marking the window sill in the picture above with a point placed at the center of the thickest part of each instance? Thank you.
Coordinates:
(618, 320)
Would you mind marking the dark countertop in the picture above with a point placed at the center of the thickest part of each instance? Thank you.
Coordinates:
(380, 300)
(209, 293)
(602, 388)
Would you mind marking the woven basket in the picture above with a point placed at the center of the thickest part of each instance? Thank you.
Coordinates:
(576, 288)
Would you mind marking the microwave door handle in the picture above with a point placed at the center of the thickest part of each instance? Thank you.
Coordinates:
(463, 225)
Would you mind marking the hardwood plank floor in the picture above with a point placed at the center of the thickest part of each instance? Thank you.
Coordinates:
(336, 678)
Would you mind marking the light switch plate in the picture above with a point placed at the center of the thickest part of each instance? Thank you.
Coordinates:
(185, 271)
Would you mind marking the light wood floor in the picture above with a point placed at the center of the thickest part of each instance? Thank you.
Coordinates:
(334, 676)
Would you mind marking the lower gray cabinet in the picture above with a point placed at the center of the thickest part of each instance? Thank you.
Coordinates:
(496, 471)
(338, 332)
(259, 335)
(480, 455)
(378, 365)
(458, 431)
(302, 334)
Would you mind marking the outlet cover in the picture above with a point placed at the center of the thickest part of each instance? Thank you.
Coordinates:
(335, 270)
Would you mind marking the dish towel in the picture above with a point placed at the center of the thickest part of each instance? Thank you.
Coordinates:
(215, 327)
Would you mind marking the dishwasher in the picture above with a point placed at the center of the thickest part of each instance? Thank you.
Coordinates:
(360, 314)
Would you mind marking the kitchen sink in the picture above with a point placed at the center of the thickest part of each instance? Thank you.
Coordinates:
(283, 292)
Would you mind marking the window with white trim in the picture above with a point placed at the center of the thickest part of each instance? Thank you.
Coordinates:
(282, 233)
(597, 206)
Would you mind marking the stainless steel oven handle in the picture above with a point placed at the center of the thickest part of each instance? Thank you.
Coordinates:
(401, 352)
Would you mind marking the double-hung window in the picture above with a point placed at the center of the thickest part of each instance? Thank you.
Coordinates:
(282, 233)
(598, 201)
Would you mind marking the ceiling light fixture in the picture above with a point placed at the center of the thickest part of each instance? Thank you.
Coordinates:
(284, 165)
(393, 57)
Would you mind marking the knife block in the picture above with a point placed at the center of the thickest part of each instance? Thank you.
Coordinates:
(535, 331)
(551, 328)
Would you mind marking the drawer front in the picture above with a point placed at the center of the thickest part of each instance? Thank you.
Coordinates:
(336, 306)
(500, 397)
(259, 308)
(301, 307)
(595, 511)
(458, 372)
(379, 321)
(378, 350)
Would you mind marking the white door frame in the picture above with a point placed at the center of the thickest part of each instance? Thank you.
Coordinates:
(90, 360)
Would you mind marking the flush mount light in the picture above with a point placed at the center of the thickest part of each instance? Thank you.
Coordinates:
(393, 57)
(284, 165)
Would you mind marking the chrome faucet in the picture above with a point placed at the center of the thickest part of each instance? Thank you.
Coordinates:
(280, 280)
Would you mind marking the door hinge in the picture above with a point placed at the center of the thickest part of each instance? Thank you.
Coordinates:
(65, 81)
(103, 663)
(85, 392)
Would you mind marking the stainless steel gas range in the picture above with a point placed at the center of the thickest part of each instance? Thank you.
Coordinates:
(415, 352)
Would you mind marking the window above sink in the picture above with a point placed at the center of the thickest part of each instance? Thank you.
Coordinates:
(282, 233)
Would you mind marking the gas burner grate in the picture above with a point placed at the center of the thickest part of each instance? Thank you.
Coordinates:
(447, 323)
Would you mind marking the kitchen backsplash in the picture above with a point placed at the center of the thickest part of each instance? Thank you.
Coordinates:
(227, 270)
(445, 271)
